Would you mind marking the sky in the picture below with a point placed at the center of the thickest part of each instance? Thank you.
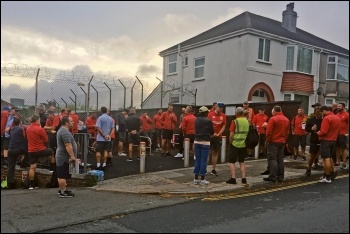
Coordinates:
(123, 39)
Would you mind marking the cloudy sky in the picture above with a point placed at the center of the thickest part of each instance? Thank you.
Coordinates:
(124, 38)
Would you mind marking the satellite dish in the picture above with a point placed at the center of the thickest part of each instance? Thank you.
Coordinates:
(320, 91)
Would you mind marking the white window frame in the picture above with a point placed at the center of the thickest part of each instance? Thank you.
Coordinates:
(329, 99)
(173, 96)
(186, 60)
(295, 59)
(291, 96)
(172, 62)
(264, 50)
(336, 64)
(197, 67)
(260, 91)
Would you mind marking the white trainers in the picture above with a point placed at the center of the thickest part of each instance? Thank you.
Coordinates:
(323, 179)
(178, 155)
(122, 154)
(204, 182)
(195, 182)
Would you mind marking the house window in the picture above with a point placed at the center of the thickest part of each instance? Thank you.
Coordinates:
(287, 97)
(299, 59)
(337, 68)
(329, 101)
(199, 68)
(172, 63)
(264, 49)
(175, 98)
(186, 60)
(259, 93)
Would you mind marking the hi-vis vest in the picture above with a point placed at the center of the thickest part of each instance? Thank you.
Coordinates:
(241, 132)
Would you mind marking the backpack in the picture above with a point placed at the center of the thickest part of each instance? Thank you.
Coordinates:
(252, 139)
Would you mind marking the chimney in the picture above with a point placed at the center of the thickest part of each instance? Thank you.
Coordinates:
(289, 18)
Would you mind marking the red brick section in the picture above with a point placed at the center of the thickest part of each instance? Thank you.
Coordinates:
(297, 82)
(43, 179)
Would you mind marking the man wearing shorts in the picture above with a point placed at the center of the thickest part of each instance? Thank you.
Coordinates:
(328, 136)
(168, 120)
(37, 139)
(133, 124)
(65, 154)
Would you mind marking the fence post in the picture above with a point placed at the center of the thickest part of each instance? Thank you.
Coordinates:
(110, 96)
(75, 101)
(141, 91)
(186, 152)
(96, 97)
(142, 156)
(36, 87)
(132, 94)
(223, 149)
(85, 98)
(124, 92)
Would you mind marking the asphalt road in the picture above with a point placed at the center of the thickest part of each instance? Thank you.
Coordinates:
(315, 208)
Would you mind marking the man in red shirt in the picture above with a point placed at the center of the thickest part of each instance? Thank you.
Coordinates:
(158, 128)
(298, 126)
(75, 118)
(213, 108)
(258, 122)
(218, 118)
(53, 123)
(90, 123)
(328, 136)
(277, 132)
(343, 134)
(168, 121)
(188, 127)
(146, 126)
(37, 139)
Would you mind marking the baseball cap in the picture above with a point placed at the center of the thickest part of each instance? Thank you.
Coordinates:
(221, 104)
(203, 109)
(6, 108)
(316, 105)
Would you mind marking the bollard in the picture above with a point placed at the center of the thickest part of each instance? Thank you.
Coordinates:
(142, 156)
(186, 152)
(256, 151)
(223, 149)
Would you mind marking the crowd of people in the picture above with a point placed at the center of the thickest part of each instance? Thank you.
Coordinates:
(51, 135)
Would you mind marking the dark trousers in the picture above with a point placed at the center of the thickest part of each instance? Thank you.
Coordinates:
(181, 142)
(275, 153)
(12, 160)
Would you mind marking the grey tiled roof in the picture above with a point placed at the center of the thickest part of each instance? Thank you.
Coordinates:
(249, 20)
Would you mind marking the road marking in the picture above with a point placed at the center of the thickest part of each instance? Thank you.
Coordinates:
(223, 197)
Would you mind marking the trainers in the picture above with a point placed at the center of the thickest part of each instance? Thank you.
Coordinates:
(59, 191)
(194, 157)
(308, 172)
(303, 158)
(66, 194)
(31, 187)
(270, 179)
(213, 172)
(129, 160)
(179, 155)
(195, 182)
(122, 154)
(343, 166)
(324, 179)
(267, 172)
(231, 181)
(204, 182)
(244, 181)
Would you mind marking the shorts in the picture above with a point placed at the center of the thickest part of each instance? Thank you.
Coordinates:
(341, 142)
(167, 134)
(5, 141)
(327, 148)
(299, 139)
(134, 139)
(190, 136)
(34, 156)
(215, 143)
(262, 139)
(102, 146)
(237, 153)
(122, 136)
(158, 132)
(63, 171)
(146, 134)
(314, 148)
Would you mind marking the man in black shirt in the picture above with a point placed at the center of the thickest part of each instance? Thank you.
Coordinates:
(133, 124)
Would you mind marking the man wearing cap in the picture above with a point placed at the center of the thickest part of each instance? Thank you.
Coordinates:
(258, 122)
(328, 136)
(218, 118)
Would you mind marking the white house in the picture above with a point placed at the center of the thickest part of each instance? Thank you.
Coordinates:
(254, 58)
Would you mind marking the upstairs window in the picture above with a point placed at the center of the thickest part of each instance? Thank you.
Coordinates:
(259, 93)
(186, 60)
(172, 59)
(199, 68)
(337, 68)
(264, 50)
(299, 59)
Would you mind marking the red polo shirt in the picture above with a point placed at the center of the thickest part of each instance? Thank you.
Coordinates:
(167, 121)
(37, 138)
(344, 122)
(75, 118)
(277, 129)
(258, 120)
(4, 117)
(156, 121)
(329, 127)
(188, 124)
(146, 123)
(296, 123)
(218, 120)
(91, 125)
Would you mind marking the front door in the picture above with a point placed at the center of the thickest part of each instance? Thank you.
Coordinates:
(305, 102)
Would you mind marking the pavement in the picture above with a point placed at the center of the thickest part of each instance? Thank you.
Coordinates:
(180, 181)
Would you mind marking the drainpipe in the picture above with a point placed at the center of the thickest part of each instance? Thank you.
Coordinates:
(318, 76)
(181, 73)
